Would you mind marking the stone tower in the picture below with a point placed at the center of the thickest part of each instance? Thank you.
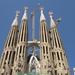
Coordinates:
(7, 59)
(58, 53)
(20, 62)
(45, 47)
(15, 59)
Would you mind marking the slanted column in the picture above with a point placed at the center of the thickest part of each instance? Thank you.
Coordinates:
(57, 53)
(45, 46)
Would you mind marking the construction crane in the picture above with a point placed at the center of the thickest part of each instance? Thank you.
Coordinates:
(33, 24)
(33, 21)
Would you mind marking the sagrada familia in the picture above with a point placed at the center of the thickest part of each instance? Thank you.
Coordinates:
(52, 59)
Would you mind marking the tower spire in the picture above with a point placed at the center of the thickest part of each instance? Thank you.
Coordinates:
(15, 22)
(10, 47)
(42, 17)
(52, 23)
(54, 32)
(22, 43)
(58, 53)
(25, 13)
(45, 47)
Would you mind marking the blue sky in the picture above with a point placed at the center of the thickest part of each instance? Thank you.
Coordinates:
(61, 8)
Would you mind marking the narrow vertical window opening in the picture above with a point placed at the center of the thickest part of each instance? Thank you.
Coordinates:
(9, 57)
(61, 56)
(20, 49)
(6, 55)
(53, 55)
(43, 49)
(55, 72)
(13, 57)
(46, 49)
(55, 40)
(58, 56)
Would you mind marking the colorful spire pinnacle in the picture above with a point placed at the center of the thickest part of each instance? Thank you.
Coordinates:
(52, 23)
(25, 14)
(42, 17)
(15, 22)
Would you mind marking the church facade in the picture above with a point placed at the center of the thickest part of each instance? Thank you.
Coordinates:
(52, 59)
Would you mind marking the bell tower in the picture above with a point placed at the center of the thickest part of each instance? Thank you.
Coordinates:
(58, 53)
(21, 49)
(8, 54)
(45, 46)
